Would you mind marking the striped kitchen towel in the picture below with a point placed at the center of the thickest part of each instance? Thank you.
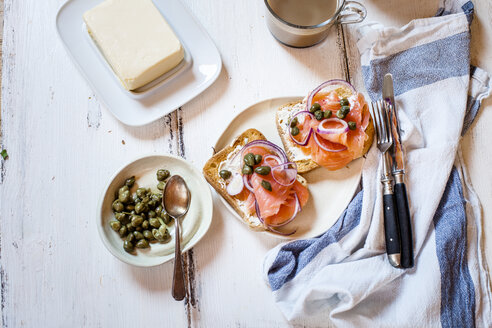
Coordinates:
(345, 272)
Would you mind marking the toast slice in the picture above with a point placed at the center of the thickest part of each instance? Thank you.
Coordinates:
(213, 166)
(294, 151)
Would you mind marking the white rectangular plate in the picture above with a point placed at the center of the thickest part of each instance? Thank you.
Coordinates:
(176, 90)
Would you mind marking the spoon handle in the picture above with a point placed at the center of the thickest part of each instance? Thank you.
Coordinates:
(178, 290)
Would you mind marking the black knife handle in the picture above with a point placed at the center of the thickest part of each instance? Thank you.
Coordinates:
(391, 229)
(405, 225)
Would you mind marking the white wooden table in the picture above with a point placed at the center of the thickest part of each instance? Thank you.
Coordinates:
(63, 146)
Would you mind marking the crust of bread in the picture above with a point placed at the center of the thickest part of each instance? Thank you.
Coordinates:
(306, 165)
(211, 173)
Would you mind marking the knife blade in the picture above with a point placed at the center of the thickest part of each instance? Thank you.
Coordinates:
(398, 170)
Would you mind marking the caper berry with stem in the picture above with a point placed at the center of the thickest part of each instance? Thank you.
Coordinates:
(115, 225)
(225, 174)
(263, 170)
(162, 174)
(294, 131)
(249, 159)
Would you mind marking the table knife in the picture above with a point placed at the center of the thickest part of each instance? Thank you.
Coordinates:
(398, 170)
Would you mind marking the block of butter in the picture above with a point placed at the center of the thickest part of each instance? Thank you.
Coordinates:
(135, 39)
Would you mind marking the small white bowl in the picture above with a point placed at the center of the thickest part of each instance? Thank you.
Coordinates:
(194, 224)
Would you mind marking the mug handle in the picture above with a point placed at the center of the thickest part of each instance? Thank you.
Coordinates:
(352, 12)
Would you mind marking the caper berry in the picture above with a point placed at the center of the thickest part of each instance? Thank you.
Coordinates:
(327, 114)
(265, 184)
(151, 214)
(128, 246)
(294, 131)
(258, 159)
(340, 114)
(142, 243)
(164, 233)
(136, 220)
(247, 170)
(294, 122)
(352, 125)
(162, 174)
(130, 181)
(157, 235)
(344, 102)
(139, 207)
(118, 206)
(129, 207)
(141, 192)
(115, 225)
(139, 229)
(345, 110)
(225, 174)
(161, 185)
(249, 159)
(148, 235)
(145, 224)
(124, 197)
(138, 235)
(120, 216)
(155, 223)
(130, 237)
(130, 228)
(165, 217)
(319, 115)
(123, 231)
(315, 107)
(156, 198)
(158, 210)
(263, 170)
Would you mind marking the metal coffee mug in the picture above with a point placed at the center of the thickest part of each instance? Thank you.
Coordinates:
(299, 36)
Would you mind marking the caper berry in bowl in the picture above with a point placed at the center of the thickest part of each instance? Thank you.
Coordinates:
(131, 221)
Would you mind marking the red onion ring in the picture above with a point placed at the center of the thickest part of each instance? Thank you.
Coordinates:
(290, 172)
(276, 158)
(327, 84)
(258, 214)
(247, 184)
(322, 130)
(235, 185)
(296, 210)
(305, 141)
(268, 145)
(332, 150)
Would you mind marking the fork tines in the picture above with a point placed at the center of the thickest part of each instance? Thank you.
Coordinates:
(381, 123)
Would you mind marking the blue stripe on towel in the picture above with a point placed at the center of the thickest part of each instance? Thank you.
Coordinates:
(457, 290)
(294, 256)
(419, 66)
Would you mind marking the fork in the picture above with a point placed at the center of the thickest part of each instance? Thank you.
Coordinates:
(384, 142)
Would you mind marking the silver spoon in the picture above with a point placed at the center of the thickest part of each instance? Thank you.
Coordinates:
(176, 202)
